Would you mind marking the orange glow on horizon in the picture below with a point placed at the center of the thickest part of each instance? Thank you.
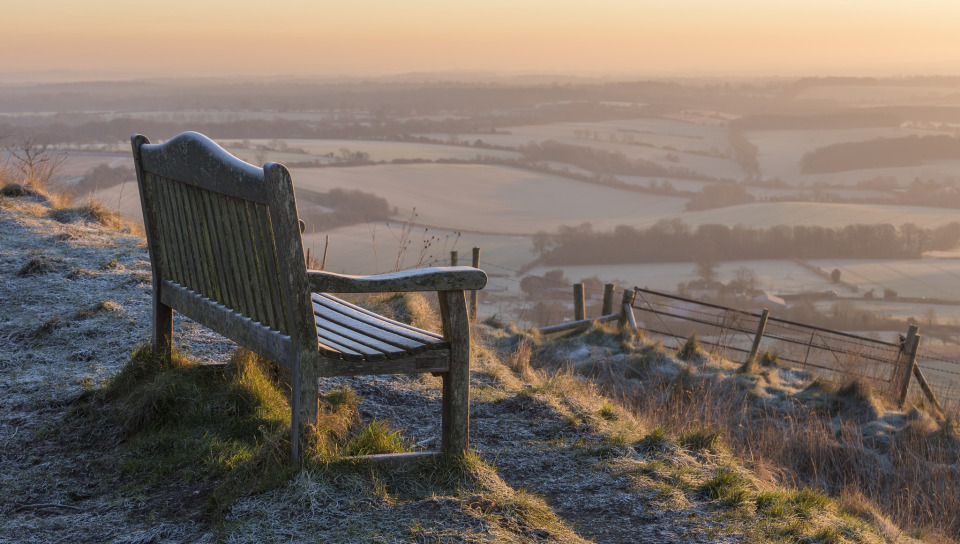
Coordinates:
(686, 37)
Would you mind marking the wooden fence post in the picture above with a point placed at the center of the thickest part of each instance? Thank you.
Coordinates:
(626, 311)
(607, 299)
(756, 339)
(453, 258)
(926, 389)
(578, 302)
(474, 295)
(908, 357)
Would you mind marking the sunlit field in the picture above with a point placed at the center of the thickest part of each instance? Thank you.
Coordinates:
(491, 199)
(931, 278)
(377, 150)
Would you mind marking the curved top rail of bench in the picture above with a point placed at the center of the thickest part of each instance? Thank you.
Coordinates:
(192, 158)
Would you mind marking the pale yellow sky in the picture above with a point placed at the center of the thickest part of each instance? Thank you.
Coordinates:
(317, 38)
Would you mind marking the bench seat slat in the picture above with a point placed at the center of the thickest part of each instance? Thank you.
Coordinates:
(384, 332)
(372, 344)
(331, 348)
(366, 316)
(353, 350)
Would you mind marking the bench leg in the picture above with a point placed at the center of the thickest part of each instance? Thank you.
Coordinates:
(162, 329)
(455, 426)
(305, 398)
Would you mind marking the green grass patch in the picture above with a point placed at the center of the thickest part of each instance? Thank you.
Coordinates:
(227, 426)
(657, 440)
(772, 504)
(608, 412)
(727, 486)
(807, 502)
(701, 439)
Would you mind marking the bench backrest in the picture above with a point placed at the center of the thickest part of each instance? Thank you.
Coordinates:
(228, 232)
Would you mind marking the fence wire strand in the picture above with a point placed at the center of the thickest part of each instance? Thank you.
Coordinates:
(732, 330)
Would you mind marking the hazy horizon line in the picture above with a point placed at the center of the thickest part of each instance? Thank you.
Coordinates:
(66, 75)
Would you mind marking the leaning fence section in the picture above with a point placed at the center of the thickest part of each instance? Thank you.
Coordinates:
(941, 366)
(896, 366)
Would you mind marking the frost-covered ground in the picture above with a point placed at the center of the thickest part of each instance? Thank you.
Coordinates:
(559, 464)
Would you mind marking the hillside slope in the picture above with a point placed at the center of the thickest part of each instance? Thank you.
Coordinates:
(556, 460)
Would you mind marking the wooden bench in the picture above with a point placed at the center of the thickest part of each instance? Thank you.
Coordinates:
(225, 247)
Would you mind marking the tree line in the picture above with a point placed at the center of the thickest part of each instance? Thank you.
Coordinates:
(880, 153)
(674, 241)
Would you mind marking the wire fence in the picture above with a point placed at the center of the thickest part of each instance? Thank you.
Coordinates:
(941, 367)
(731, 332)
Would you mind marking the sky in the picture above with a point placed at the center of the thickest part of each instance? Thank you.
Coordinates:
(379, 37)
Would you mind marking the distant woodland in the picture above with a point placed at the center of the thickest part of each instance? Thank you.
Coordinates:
(339, 207)
(674, 241)
(880, 153)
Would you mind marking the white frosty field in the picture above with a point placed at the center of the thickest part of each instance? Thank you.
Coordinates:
(774, 276)
(879, 95)
(931, 278)
(491, 199)
(661, 136)
(942, 313)
(78, 163)
(374, 247)
(768, 214)
(386, 151)
(780, 152)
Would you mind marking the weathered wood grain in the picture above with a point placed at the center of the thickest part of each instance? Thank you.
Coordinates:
(456, 278)
(455, 413)
(226, 251)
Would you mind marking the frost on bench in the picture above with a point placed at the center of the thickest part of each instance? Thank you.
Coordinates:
(225, 247)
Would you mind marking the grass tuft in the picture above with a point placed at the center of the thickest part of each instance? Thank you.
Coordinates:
(608, 412)
(657, 440)
(769, 358)
(374, 438)
(772, 504)
(727, 486)
(806, 502)
(228, 425)
(701, 439)
(91, 211)
(690, 349)
(40, 263)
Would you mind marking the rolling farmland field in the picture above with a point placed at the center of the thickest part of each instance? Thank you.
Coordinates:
(491, 199)
(381, 150)
(780, 152)
(930, 278)
(768, 214)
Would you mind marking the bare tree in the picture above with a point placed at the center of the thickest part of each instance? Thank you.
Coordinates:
(34, 162)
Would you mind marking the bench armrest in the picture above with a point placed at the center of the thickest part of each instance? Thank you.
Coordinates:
(452, 278)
